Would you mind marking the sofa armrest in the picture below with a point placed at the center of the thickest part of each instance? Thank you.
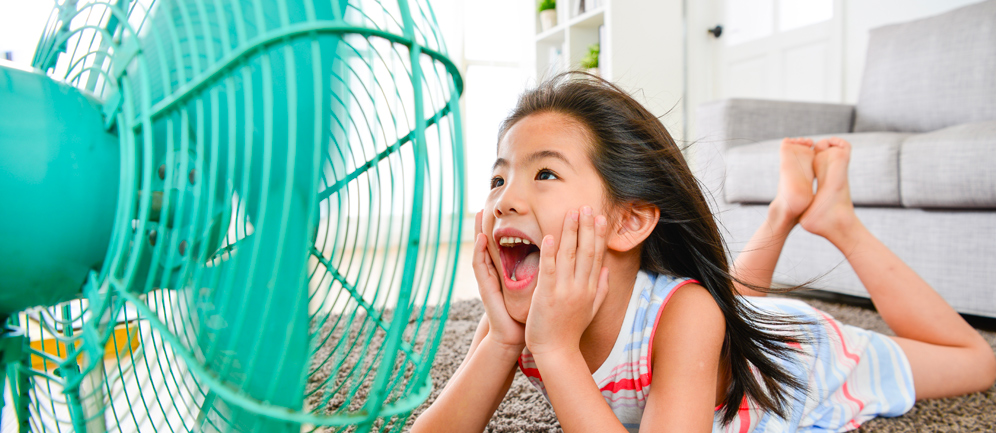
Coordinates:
(732, 122)
(750, 120)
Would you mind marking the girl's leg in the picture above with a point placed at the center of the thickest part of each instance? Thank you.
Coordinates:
(948, 357)
(756, 263)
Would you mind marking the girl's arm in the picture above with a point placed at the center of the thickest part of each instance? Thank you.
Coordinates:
(686, 359)
(686, 352)
(474, 392)
(472, 395)
(571, 286)
(574, 395)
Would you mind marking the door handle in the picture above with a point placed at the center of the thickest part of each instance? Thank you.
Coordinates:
(716, 31)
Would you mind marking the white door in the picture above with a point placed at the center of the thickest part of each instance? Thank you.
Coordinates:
(780, 49)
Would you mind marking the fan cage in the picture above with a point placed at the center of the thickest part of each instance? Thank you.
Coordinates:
(140, 349)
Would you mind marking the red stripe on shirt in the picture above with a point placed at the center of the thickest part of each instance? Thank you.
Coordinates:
(529, 372)
(843, 345)
(847, 393)
(744, 414)
(626, 384)
(849, 355)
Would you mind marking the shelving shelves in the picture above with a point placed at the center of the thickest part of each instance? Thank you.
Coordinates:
(562, 47)
(641, 49)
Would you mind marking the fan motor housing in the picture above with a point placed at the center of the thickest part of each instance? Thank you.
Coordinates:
(58, 194)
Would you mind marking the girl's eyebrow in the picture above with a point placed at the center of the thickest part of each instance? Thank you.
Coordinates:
(542, 154)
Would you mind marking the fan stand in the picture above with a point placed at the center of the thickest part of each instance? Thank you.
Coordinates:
(12, 357)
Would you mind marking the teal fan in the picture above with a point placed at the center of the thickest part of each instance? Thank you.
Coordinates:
(227, 215)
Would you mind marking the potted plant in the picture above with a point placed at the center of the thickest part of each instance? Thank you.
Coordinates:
(547, 14)
(590, 61)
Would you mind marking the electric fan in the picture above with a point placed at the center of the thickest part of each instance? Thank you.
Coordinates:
(227, 215)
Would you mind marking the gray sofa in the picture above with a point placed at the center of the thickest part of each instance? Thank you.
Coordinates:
(923, 161)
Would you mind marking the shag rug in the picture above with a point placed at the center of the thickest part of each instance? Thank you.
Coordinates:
(526, 410)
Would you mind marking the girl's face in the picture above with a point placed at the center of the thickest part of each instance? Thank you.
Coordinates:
(542, 172)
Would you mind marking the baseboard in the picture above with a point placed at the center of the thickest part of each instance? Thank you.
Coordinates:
(978, 322)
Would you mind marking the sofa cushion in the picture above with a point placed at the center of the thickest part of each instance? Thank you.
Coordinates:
(952, 250)
(951, 168)
(930, 73)
(752, 169)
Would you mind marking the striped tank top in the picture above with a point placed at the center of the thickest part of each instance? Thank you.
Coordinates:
(851, 374)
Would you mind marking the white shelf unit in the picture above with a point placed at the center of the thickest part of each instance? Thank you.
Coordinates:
(571, 37)
(641, 49)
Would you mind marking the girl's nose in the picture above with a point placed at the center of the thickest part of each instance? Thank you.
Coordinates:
(509, 202)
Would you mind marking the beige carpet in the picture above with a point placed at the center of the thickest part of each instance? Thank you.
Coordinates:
(526, 410)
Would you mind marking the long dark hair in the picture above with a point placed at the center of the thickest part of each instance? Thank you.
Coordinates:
(639, 162)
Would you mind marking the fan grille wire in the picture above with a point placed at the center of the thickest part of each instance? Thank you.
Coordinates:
(131, 354)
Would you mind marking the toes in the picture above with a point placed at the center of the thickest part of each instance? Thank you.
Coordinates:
(822, 144)
(842, 147)
(797, 141)
(797, 149)
(839, 142)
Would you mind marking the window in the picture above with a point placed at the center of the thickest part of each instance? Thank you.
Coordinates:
(21, 24)
(494, 34)
(748, 20)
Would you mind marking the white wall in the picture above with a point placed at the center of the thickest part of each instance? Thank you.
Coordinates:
(700, 16)
(646, 56)
(859, 17)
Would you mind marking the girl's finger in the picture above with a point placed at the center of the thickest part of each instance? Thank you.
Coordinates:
(492, 270)
(547, 265)
(586, 248)
(601, 228)
(478, 221)
(482, 271)
(601, 290)
(487, 283)
(483, 246)
(567, 253)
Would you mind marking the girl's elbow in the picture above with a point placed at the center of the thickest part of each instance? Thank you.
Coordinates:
(982, 375)
(421, 426)
(423, 422)
(989, 370)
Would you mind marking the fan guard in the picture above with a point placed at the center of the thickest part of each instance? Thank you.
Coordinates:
(272, 218)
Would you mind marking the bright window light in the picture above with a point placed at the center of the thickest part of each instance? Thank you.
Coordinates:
(21, 24)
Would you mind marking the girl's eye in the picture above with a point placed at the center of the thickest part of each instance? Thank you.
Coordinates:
(496, 182)
(545, 174)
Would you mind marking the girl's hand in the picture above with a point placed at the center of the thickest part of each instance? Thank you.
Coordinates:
(502, 329)
(571, 284)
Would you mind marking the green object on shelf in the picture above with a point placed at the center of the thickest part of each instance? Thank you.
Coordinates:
(590, 60)
(228, 215)
(545, 5)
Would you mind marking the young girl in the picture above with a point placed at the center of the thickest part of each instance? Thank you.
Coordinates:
(605, 281)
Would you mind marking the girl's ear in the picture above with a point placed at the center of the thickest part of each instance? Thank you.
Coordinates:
(634, 226)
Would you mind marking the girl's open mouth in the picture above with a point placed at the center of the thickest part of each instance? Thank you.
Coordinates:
(520, 261)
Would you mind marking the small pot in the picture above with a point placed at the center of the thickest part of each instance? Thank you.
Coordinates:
(548, 19)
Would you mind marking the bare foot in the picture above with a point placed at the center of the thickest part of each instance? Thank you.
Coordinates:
(795, 179)
(832, 211)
